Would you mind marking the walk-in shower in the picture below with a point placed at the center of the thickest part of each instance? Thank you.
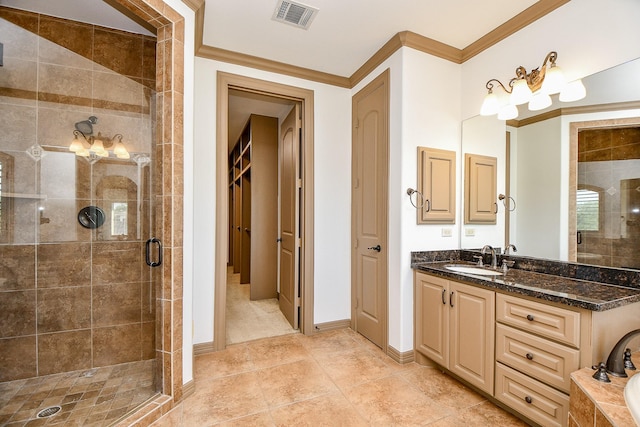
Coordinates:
(79, 302)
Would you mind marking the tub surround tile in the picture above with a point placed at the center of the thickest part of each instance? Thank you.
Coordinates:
(596, 403)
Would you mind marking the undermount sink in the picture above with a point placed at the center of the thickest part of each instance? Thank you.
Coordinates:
(469, 269)
(632, 397)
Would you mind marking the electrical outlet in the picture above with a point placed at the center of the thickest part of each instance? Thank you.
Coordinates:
(447, 232)
(469, 231)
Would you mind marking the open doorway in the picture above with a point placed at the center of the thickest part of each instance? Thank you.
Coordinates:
(241, 94)
(254, 294)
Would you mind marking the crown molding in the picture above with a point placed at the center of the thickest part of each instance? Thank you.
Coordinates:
(231, 57)
(581, 109)
(518, 22)
(401, 39)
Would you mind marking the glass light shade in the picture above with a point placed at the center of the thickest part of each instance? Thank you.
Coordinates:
(554, 81)
(120, 150)
(83, 153)
(508, 112)
(539, 101)
(520, 93)
(76, 145)
(98, 148)
(573, 91)
(490, 105)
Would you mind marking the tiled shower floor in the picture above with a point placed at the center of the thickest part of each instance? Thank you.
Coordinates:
(95, 397)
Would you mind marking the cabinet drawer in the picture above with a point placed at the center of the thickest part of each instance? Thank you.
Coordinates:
(539, 402)
(544, 320)
(540, 358)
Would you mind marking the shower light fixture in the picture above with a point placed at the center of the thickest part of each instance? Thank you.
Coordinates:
(534, 88)
(97, 144)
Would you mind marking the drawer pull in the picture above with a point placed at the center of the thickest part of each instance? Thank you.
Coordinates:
(444, 302)
(528, 399)
(529, 356)
(530, 317)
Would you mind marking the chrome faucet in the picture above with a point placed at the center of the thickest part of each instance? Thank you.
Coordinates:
(494, 261)
(616, 360)
(510, 246)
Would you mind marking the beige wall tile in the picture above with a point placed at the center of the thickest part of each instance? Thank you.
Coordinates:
(63, 309)
(17, 358)
(116, 344)
(116, 304)
(64, 351)
(64, 265)
(19, 33)
(17, 267)
(119, 51)
(18, 124)
(18, 313)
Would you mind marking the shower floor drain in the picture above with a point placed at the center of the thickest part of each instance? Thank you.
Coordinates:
(49, 412)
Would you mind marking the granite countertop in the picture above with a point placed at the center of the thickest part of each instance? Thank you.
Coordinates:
(590, 295)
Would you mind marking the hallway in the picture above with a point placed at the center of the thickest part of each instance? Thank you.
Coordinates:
(249, 320)
(332, 378)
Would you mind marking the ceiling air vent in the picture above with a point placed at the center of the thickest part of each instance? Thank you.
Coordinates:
(293, 13)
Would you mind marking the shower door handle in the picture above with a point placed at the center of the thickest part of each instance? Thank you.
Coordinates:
(148, 252)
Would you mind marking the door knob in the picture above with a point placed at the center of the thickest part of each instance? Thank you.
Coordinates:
(376, 248)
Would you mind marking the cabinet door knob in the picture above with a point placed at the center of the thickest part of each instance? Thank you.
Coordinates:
(528, 399)
(451, 299)
(444, 301)
(530, 317)
(529, 356)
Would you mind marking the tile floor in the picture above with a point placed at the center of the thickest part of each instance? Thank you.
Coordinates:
(334, 378)
(95, 397)
(249, 320)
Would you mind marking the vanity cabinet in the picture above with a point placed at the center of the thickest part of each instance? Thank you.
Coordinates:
(537, 348)
(454, 327)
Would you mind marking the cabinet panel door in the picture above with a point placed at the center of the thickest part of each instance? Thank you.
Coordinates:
(437, 184)
(472, 334)
(432, 318)
(480, 189)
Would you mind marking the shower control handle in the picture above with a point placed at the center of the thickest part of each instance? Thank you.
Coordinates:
(148, 252)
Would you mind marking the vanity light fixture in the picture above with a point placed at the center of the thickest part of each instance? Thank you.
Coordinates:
(97, 144)
(534, 88)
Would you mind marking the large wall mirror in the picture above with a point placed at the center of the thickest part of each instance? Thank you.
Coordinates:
(571, 175)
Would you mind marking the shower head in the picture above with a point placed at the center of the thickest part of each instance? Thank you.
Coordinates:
(86, 126)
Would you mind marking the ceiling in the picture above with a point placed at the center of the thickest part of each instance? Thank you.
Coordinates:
(341, 38)
(346, 33)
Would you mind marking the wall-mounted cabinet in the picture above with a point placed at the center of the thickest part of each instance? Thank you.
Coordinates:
(480, 189)
(437, 184)
(253, 207)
